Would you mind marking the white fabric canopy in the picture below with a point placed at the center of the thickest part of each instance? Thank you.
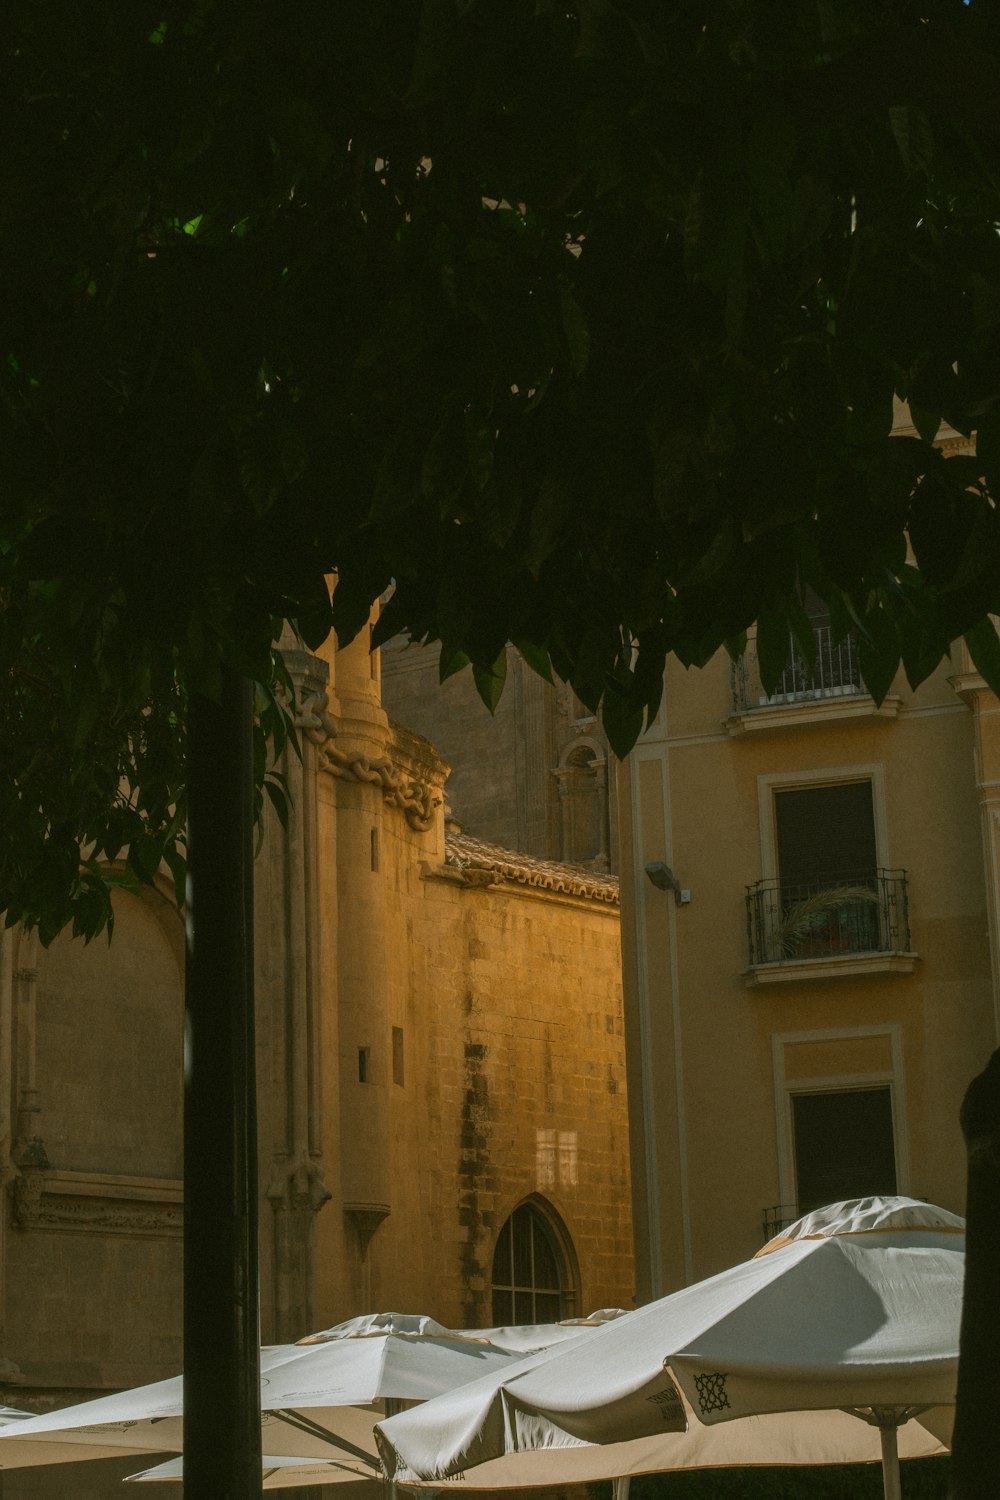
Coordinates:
(522, 1338)
(857, 1306)
(319, 1398)
(278, 1474)
(317, 1401)
(826, 1437)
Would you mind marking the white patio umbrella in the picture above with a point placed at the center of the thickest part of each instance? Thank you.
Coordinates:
(822, 1437)
(279, 1474)
(317, 1402)
(856, 1307)
(522, 1338)
(288, 1472)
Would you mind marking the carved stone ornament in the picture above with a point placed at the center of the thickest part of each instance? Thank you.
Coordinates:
(417, 801)
(44, 1199)
(297, 1182)
(312, 714)
(365, 1218)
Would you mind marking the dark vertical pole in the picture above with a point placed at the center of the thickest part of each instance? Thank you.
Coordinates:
(975, 1464)
(221, 1337)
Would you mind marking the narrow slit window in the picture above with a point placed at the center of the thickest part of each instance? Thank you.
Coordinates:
(397, 1055)
(364, 1063)
(374, 848)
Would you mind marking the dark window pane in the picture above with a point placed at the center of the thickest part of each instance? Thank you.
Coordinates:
(843, 1146)
(548, 1307)
(528, 1270)
(825, 834)
(546, 1271)
(522, 1247)
(503, 1267)
(503, 1308)
(524, 1308)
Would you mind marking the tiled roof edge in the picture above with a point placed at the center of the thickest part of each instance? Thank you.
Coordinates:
(464, 852)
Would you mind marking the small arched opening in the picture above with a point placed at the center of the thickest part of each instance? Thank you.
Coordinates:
(582, 776)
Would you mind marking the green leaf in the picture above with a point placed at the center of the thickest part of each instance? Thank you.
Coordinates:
(575, 328)
(536, 657)
(490, 681)
(479, 447)
(773, 647)
(551, 512)
(914, 138)
(927, 423)
(984, 648)
(878, 652)
(279, 799)
(450, 662)
(621, 720)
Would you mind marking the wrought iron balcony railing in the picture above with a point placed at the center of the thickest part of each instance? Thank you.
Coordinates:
(776, 1218)
(835, 674)
(788, 920)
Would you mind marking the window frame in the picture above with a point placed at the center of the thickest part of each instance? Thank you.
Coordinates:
(790, 781)
(785, 1086)
(563, 1255)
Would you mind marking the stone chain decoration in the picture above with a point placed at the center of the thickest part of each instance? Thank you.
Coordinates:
(417, 802)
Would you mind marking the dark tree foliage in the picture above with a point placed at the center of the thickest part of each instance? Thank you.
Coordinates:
(578, 321)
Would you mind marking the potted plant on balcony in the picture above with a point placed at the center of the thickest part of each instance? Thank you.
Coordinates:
(836, 919)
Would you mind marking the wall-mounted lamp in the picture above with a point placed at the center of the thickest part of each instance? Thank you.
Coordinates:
(663, 877)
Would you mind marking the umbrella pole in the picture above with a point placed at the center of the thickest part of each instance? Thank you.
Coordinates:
(890, 1461)
(392, 1406)
(621, 1487)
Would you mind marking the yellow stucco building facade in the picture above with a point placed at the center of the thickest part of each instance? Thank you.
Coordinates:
(811, 897)
(441, 1073)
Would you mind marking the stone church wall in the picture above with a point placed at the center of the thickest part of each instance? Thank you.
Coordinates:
(439, 1035)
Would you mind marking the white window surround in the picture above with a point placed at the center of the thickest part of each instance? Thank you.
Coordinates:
(790, 781)
(785, 1086)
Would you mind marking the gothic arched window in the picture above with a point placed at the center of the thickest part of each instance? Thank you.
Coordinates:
(530, 1276)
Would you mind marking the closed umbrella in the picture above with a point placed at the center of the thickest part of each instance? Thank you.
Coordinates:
(856, 1307)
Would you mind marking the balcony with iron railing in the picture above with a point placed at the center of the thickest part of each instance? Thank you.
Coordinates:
(835, 673)
(776, 1217)
(860, 923)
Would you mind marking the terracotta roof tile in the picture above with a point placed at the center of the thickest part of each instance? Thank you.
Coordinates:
(466, 853)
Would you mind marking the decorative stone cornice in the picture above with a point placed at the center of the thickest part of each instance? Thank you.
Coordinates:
(969, 686)
(90, 1201)
(480, 864)
(417, 801)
